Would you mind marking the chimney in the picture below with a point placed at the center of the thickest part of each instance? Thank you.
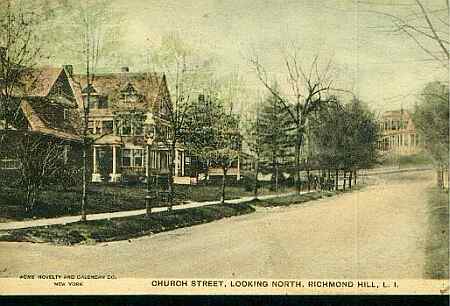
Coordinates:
(125, 69)
(68, 69)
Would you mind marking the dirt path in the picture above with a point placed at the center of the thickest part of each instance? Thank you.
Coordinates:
(377, 232)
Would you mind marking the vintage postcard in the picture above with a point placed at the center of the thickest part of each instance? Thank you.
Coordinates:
(224, 147)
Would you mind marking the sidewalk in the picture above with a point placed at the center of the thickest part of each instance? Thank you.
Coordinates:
(101, 216)
(388, 170)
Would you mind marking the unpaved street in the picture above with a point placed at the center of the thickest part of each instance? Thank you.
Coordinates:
(378, 232)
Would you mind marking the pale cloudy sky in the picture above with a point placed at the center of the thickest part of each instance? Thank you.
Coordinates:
(384, 69)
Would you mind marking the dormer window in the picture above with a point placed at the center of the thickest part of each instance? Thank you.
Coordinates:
(93, 96)
(89, 89)
(129, 93)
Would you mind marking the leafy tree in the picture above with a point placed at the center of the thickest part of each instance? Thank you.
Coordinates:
(228, 144)
(275, 137)
(212, 134)
(200, 134)
(431, 117)
(345, 137)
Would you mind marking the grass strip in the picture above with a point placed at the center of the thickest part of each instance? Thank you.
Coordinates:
(437, 242)
(125, 227)
(300, 198)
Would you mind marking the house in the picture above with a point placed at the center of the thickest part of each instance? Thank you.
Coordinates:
(398, 133)
(128, 120)
(47, 105)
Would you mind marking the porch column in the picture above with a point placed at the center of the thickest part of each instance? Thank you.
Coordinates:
(94, 160)
(114, 160)
(96, 177)
(115, 177)
(182, 163)
(176, 163)
(147, 160)
(238, 174)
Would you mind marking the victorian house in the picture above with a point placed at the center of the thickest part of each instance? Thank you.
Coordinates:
(47, 103)
(127, 119)
(398, 133)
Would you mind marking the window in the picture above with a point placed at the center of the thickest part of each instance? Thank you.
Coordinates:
(91, 125)
(126, 157)
(163, 160)
(138, 128)
(126, 129)
(92, 102)
(66, 114)
(102, 102)
(107, 127)
(137, 155)
(9, 164)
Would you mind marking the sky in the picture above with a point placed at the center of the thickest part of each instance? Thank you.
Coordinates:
(387, 70)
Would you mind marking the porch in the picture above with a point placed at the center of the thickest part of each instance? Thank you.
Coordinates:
(118, 162)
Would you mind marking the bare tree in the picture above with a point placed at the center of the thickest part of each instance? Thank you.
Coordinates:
(426, 26)
(42, 163)
(185, 73)
(94, 29)
(308, 90)
(19, 52)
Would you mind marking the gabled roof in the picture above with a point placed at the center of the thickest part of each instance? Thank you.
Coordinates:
(148, 85)
(37, 124)
(41, 112)
(39, 82)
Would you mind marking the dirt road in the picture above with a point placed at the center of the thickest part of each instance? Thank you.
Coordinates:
(377, 232)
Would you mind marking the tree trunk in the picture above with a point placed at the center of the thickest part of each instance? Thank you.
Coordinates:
(276, 177)
(85, 179)
(297, 166)
(171, 174)
(350, 179)
(224, 178)
(440, 176)
(354, 176)
(336, 180)
(447, 175)
(329, 180)
(148, 209)
(207, 172)
(343, 186)
(256, 178)
(308, 178)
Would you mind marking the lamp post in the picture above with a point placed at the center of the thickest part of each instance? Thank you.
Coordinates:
(148, 197)
(150, 143)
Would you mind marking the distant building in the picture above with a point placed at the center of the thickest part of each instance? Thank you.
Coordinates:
(398, 133)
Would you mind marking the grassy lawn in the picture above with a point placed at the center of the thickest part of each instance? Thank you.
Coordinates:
(52, 203)
(407, 161)
(126, 227)
(104, 198)
(136, 226)
(300, 198)
(437, 241)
